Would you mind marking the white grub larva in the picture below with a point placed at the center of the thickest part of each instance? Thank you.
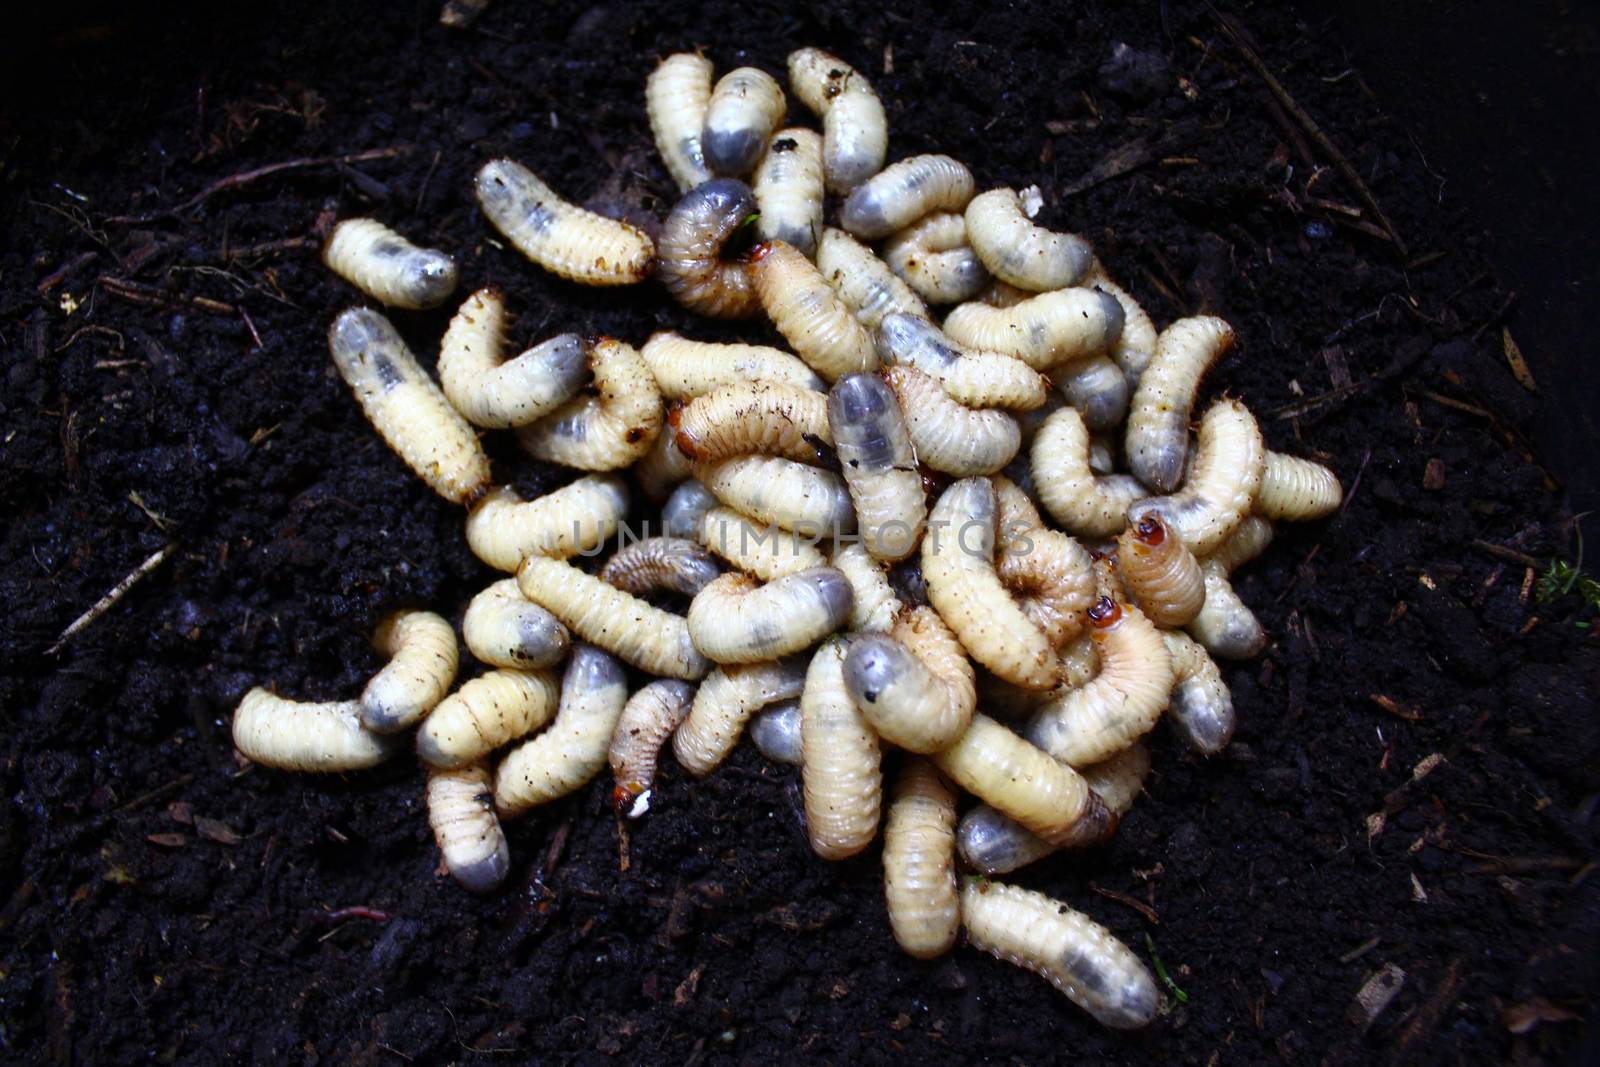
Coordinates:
(685, 369)
(914, 685)
(775, 731)
(1157, 437)
(840, 760)
(568, 755)
(466, 828)
(754, 418)
(1083, 503)
(663, 467)
(503, 528)
(566, 240)
(863, 281)
(933, 257)
(661, 564)
(1043, 331)
(1048, 797)
(647, 720)
(502, 628)
(999, 294)
(496, 394)
(780, 492)
(789, 190)
(609, 429)
(422, 664)
(724, 703)
(948, 436)
(293, 735)
(919, 862)
(1201, 708)
(686, 508)
(1097, 388)
(1020, 253)
(676, 96)
(875, 606)
(1225, 625)
(975, 379)
(1247, 541)
(855, 130)
(689, 259)
(818, 325)
(493, 708)
(901, 194)
(745, 107)
(387, 267)
(1220, 487)
(879, 465)
(1297, 489)
(649, 638)
(958, 566)
(1160, 572)
(766, 552)
(1137, 344)
(405, 407)
(1072, 952)
(737, 619)
(1048, 573)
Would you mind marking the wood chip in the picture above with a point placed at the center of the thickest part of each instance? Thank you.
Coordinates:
(216, 830)
(1418, 894)
(1433, 474)
(168, 840)
(1376, 994)
(1519, 366)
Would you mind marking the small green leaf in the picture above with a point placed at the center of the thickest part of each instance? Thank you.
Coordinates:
(1161, 971)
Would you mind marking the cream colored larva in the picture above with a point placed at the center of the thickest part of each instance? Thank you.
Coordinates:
(1220, 487)
(564, 239)
(914, 685)
(1020, 253)
(647, 720)
(789, 191)
(1201, 708)
(737, 619)
(610, 429)
(1157, 437)
(387, 267)
(649, 638)
(661, 565)
(685, 369)
(763, 551)
(663, 467)
(948, 436)
(745, 107)
(875, 605)
(782, 493)
(466, 828)
(503, 629)
(1083, 503)
(1048, 572)
(686, 509)
(422, 664)
(1137, 344)
(293, 735)
(1044, 331)
(818, 325)
(1097, 388)
(855, 130)
(689, 259)
(1048, 797)
(775, 731)
(1160, 572)
(496, 394)
(919, 862)
(724, 703)
(405, 407)
(581, 516)
(1072, 952)
(754, 418)
(676, 96)
(933, 257)
(485, 713)
(901, 194)
(840, 760)
(568, 755)
(863, 281)
(879, 465)
(1297, 489)
(1226, 626)
(974, 379)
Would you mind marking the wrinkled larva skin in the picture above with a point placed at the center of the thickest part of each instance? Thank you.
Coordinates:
(496, 394)
(1137, 344)
(685, 510)
(1297, 490)
(1225, 625)
(1097, 388)
(874, 606)
(566, 240)
(746, 106)
(689, 258)
(775, 731)
(1044, 331)
(647, 721)
(818, 325)
(387, 267)
(608, 430)
(1220, 487)
(653, 640)
(1020, 253)
(685, 369)
(783, 493)
(751, 418)
(1160, 572)
(789, 190)
(405, 407)
(914, 685)
(855, 130)
(1157, 437)
(952, 437)
(1247, 541)
(676, 97)
(973, 379)
(423, 662)
(485, 713)
(764, 552)
(466, 828)
(292, 735)
(840, 760)
(737, 619)
(999, 294)
(1201, 708)
(1084, 504)
(662, 468)
(661, 564)
(568, 755)
(863, 281)
(903, 193)
(503, 529)
(933, 257)
(879, 465)
(1048, 572)
(919, 862)
(1049, 798)
(1076, 955)
(724, 703)
(503, 629)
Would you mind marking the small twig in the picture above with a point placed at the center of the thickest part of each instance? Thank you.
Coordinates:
(109, 601)
(157, 793)
(355, 911)
(61, 273)
(1122, 898)
(1510, 554)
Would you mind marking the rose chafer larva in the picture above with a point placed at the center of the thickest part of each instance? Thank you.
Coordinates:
(1048, 572)
(745, 107)
(661, 564)
(840, 760)
(496, 394)
(855, 130)
(919, 862)
(1097, 389)
(504, 629)
(493, 708)
(567, 756)
(608, 430)
(1048, 797)
(948, 436)
(647, 720)
(780, 492)
(932, 256)
(737, 619)
(788, 185)
(875, 605)
(564, 239)
(1137, 344)
(766, 553)
(1218, 492)
(723, 704)
(818, 325)
(1157, 436)
(387, 267)
(1202, 707)
(1296, 489)
(662, 468)
(863, 281)
(1019, 252)
(686, 369)
(685, 510)
(775, 731)
(423, 662)
(1225, 625)
(879, 465)
(914, 684)
(293, 735)
(1085, 504)
(901, 194)
(676, 97)
(974, 379)
(503, 529)
(689, 252)
(754, 418)
(1043, 331)
(466, 828)
(1160, 571)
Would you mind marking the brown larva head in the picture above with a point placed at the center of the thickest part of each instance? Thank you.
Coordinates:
(1105, 613)
(623, 796)
(759, 252)
(475, 496)
(1150, 530)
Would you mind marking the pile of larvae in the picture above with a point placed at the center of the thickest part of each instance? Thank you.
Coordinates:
(898, 533)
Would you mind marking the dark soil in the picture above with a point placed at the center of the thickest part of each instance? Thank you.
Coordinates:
(158, 900)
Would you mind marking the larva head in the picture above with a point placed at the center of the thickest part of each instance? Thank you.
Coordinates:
(1149, 531)
(759, 252)
(1104, 613)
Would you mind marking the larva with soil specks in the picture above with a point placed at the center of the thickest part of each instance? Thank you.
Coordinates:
(485, 713)
(1072, 952)
(676, 96)
(1201, 708)
(466, 828)
(685, 369)
(745, 107)
(661, 564)
(1157, 436)
(1220, 487)
(933, 257)
(1225, 625)
(1097, 388)
(840, 760)
(951, 437)
(973, 379)
(789, 190)
(914, 685)
(568, 755)
(1044, 331)
(689, 258)
(764, 552)
(874, 606)
(754, 418)
(663, 467)
(387, 267)
(1047, 572)
(405, 407)
(1160, 572)
(1019, 252)
(724, 703)
(818, 325)
(901, 194)
(855, 130)
(503, 529)
(647, 720)
(503, 629)
(422, 664)
(1048, 797)
(1137, 344)
(775, 731)
(919, 862)
(564, 239)
(653, 640)
(1297, 489)
(610, 429)
(686, 509)
(737, 619)
(293, 735)
(782, 493)
(879, 465)
(1083, 503)
(863, 281)
(496, 394)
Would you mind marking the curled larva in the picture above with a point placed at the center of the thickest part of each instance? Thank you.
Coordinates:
(1020, 253)
(874, 605)
(745, 107)
(292, 735)
(863, 281)
(754, 418)
(1001, 294)
(466, 828)
(676, 96)
(737, 619)
(609, 429)
(564, 239)
(1297, 489)
(685, 369)
(879, 465)
(855, 130)
(840, 760)
(901, 194)
(1097, 388)
(1157, 436)
(948, 436)
(686, 509)
(933, 257)
(689, 258)
(503, 528)
(661, 564)
(780, 492)
(818, 325)
(764, 551)
(653, 640)
(1225, 624)
(503, 629)
(1085, 504)
(568, 755)
(647, 720)
(1048, 572)
(775, 731)
(974, 379)
(485, 713)
(422, 664)
(789, 190)
(497, 394)
(387, 267)
(914, 684)
(1220, 487)
(724, 702)
(1201, 708)
(405, 407)
(663, 467)
(1043, 331)
(1013, 776)
(1137, 344)
(919, 862)
(1160, 572)
(1075, 954)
